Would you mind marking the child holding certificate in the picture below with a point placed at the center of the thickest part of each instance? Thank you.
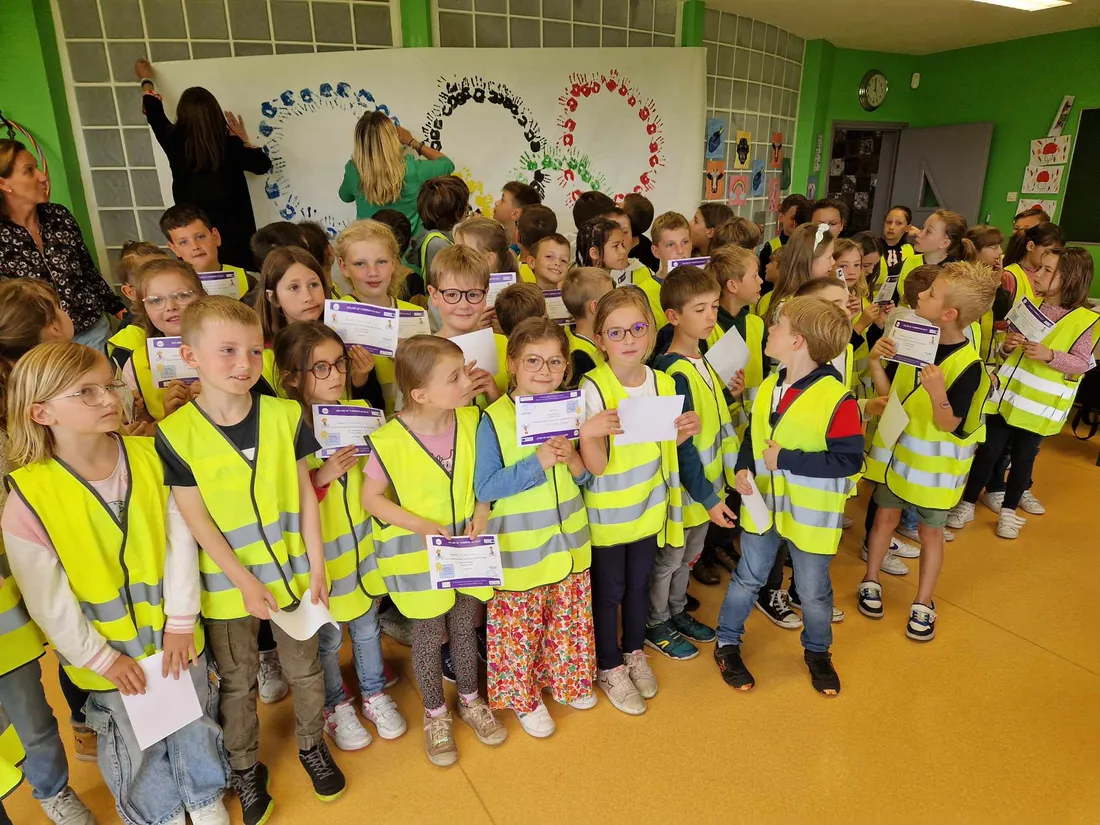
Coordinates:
(540, 620)
(940, 423)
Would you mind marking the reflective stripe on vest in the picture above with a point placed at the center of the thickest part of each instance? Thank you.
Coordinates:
(543, 532)
(253, 503)
(639, 493)
(11, 756)
(20, 639)
(423, 487)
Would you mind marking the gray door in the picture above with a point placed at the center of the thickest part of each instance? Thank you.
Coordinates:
(942, 167)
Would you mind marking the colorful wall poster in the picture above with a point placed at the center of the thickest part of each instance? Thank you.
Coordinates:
(742, 150)
(716, 142)
(773, 195)
(714, 186)
(775, 151)
(1042, 180)
(757, 179)
(1051, 150)
(739, 190)
(811, 188)
(1034, 203)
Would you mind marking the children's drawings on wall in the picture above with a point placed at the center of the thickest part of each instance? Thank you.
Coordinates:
(1033, 203)
(775, 151)
(742, 150)
(739, 190)
(773, 195)
(1062, 116)
(1051, 150)
(603, 126)
(716, 139)
(714, 181)
(811, 187)
(757, 179)
(1042, 180)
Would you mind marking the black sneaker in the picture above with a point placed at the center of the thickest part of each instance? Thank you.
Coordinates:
(251, 789)
(734, 672)
(328, 781)
(448, 665)
(727, 558)
(822, 673)
(773, 604)
(692, 604)
(704, 573)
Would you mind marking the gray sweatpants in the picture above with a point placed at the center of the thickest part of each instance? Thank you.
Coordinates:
(669, 585)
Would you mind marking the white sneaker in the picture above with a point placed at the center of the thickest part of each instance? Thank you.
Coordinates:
(213, 814)
(890, 563)
(904, 550)
(273, 686)
(948, 535)
(538, 722)
(344, 727)
(961, 515)
(585, 702)
(382, 712)
(1009, 524)
(620, 690)
(67, 809)
(913, 534)
(640, 673)
(993, 500)
(1030, 504)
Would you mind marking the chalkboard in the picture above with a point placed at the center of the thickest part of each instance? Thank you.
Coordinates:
(1080, 218)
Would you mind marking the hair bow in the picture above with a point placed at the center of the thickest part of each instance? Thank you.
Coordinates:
(822, 228)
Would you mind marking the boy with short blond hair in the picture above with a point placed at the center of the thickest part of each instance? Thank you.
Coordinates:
(671, 241)
(193, 239)
(516, 303)
(581, 292)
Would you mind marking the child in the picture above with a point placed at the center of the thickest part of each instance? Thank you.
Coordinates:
(109, 583)
(736, 232)
(581, 292)
(314, 368)
(808, 255)
(590, 205)
(237, 465)
(803, 446)
(163, 289)
(794, 210)
(636, 272)
(131, 258)
(426, 457)
(601, 242)
(488, 238)
(941, 241)
(708, 217)
(441, 203)
(928, 465)
(540, 620)
(633, 501)
(517, 303)
(989, 243)
(1034, 216)
(1024, 256)
(194, 239)
(896, 248)
(831, 212)
(848, 260)
(870, 259)
(691, 298)
(534, 224)
(639, 210)
(1037, 383)
(671, 241)
(514, 198)
(549, 261)
(409, 284)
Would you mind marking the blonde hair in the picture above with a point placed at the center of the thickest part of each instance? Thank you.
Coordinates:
(489, 236)
(372, 232)
(731, 263)
(626, 297)
(666, 222)
(215, 308)
(415, 360)
(145, 273)
(581, 285)
(378, 158)
(736, 231)
(40, 375)
(799, 254)
(824, 326)
(842, 246)
(134, 255)
(516, 303)
(531, 331)
(971, 289)
(462, 263)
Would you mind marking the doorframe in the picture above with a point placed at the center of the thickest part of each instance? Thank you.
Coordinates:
(884, 189)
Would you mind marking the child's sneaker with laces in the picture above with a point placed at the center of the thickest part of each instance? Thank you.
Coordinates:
(439, 743)
(961, 515)
(869, 599)
(732, 667)
(344, 727)
(212, 814)
(479, 717)
(796, 602)
(905, 550)
(993, 500)
(890, 563)
(272, 681)
(66, 809)
(922, 623)
(328, 780)
(665, 640)
(538, 723)
(641, 674)
(1030, 504)
(691, 628)
(1009, 524)
(823, 675)
(381, 711)
(250, 786)
(777, 610)
(620, 690)
(585, 702)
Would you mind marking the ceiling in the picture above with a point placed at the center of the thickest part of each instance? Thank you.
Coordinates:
(908, 27)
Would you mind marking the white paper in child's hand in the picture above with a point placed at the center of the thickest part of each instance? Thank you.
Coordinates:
(755, 504)
(480, 346)
(168, 704)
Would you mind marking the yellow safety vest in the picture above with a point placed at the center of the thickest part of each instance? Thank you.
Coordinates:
(348, 544)
(270, 373)
(639, 493)
(883, 270)
(20, 639)
(754, 370)
(578, 343)
(115, 564)
(775, 243)
(526, 274)
(1033, 395)
(129, 343)
(642, 278)
(11, 757)
(761, 307)
(805, 510)
(1024, 289)
(928, 467)
(417, 479)
(543, 532)
(716, 441)
(254, 503)
(908, 265)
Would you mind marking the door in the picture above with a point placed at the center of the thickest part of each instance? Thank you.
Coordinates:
(942, 167)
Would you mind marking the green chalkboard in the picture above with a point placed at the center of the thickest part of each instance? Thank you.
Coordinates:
(1080, 218)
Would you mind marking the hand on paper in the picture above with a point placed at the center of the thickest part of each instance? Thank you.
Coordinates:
(179, 653)
(722, 515)
(175, 395)
(318, 586)
(258, 600)
(1037, 352)
(431, 528)
(687, 425)
(335, 466)
(567, 454)
(771, 455)
(737, 384)
(931, 378)
(362, 362)
(236, 127)
(743, 485)
(193, 390)
(883, 313)
(875, 406)
(602, 425)
(883, 348)
(1012, 340)
(127, 676)
(546, 455)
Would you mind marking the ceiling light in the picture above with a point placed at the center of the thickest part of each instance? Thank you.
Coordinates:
(1027, 5)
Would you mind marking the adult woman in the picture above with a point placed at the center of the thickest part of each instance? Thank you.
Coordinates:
(39, 239)
(209, 152)
(379, 175)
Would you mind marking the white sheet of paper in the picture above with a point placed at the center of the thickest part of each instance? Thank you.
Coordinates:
(341, 425)
(729, 354)
(304, 621)
(1029, 321)
(498, 282)
(915, 342)
(220, 283)
(166, 363)
(480, 346)
(464, 562)
(886, 290)
(755, 504)
(541, 417)
(413, 322)
(168, 705)
(649, 419)
(555, 307)
(374, 328)
(892, 422)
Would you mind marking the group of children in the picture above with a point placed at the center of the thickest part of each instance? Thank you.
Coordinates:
(121, 546)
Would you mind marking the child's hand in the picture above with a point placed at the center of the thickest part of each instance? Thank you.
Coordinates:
(176, 394)
(883, 348)
(931, 378)
(737, 384)
(335, 466)
(722, 515)
(875, 406)
(477, 525)
(771, 455)
(884, 313)
(546, 455)
(873, 313)
(854, 304)
(318, 586)
(602, 425)
(193, 390)
(258, 600)
(179, 653)
(431, 528)
(127, 676)
(481, 381)
(362, 362)
(743, 483)
(567, 454)
(687, 425)
(1037, 352)
(139, 428)
(1012, 340)
(488, 317)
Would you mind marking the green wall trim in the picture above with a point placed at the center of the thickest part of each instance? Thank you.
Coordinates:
(691, 23)
(416, 24)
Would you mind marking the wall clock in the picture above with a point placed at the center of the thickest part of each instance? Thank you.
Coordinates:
(872, 90)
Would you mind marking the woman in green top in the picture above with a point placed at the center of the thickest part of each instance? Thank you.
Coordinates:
(381, 176)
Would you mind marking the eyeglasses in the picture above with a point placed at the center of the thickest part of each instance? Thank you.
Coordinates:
(92, 395)
(157, 301)
(619, 333)
(322, 369)
(534, 363)
(453, 296)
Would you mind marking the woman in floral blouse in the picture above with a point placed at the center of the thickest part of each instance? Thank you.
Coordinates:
(39, 239)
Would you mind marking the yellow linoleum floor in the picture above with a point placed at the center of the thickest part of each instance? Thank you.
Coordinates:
(996, 720)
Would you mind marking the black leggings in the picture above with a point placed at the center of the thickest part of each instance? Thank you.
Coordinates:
(74, 697)
(428, 635)
(265, 642)
(1024, 447)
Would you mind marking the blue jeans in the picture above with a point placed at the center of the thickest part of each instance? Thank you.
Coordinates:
(814, 589)
(909, 518)
(188, 769)
(24, 701)
(366, 647)
(96, 335)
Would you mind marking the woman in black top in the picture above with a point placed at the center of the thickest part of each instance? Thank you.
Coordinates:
(209, 152)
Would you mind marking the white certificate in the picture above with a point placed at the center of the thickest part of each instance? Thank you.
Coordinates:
(498, 282)
(755, 504)
(555, 307)
(915, 343)
(220, 283)
(412, 322)
(541, 417)
(1026, 318)
(729, 354)
(303, 622)
(893, 421)
(344, 425)
(167, 364)
(371, 327)
(464, 562)
(699, 262)
(644, 420)
(886, 290)
(168, 704)
(620, 277)
(480, 346)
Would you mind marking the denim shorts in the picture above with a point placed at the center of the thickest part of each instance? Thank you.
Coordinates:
(885, 497)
